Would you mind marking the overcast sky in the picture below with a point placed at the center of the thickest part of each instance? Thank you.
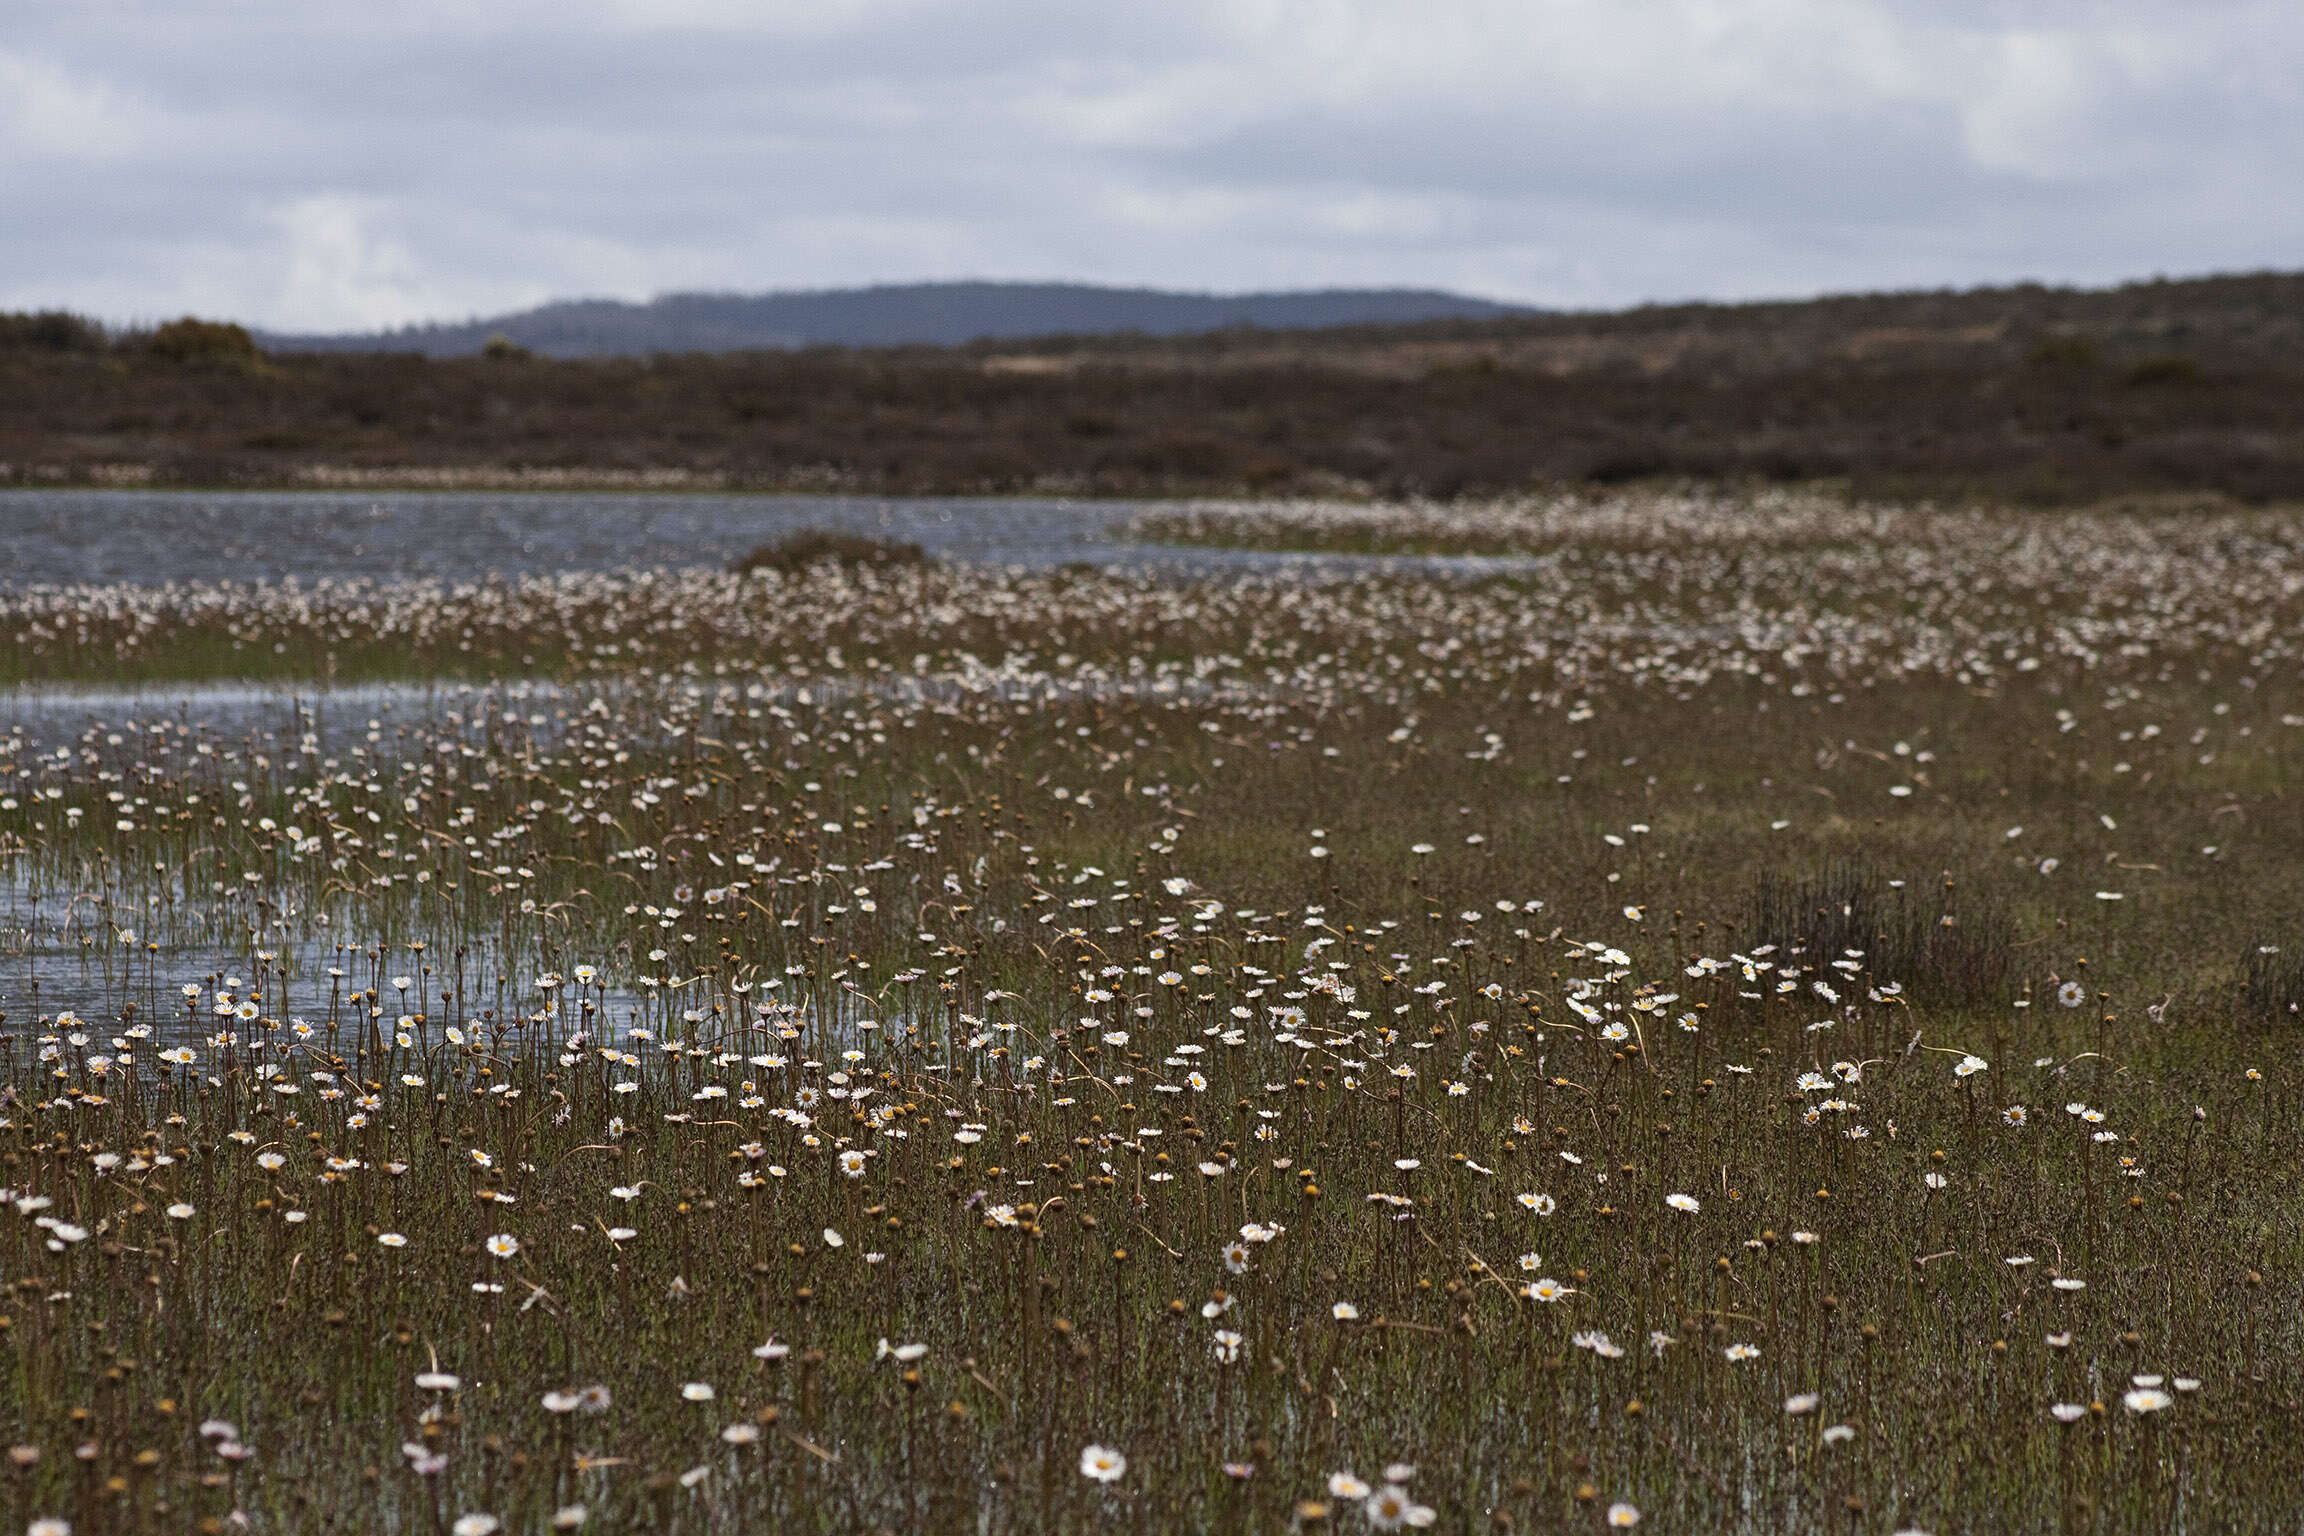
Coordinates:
(321, 164)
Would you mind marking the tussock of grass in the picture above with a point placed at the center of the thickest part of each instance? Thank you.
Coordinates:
(1914, 929)
(798, 551)
(2274, 984)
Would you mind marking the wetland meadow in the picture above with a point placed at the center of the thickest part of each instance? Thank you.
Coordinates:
(1705, 1011)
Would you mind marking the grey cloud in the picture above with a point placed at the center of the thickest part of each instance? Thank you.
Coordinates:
(326, 165)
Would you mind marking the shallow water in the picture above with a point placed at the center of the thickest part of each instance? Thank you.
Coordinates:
(369, 716)
(340, 716)
(64, 952)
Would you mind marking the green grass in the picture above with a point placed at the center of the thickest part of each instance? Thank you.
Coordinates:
(905, 843)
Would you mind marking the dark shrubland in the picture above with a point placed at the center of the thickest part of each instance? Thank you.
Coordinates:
(2028, 394)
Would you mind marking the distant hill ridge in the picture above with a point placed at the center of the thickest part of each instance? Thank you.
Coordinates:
(928, 314)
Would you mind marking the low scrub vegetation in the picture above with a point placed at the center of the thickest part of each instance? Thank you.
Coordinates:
(2023, 395)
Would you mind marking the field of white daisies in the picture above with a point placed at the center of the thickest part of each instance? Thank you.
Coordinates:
(1754, 1015)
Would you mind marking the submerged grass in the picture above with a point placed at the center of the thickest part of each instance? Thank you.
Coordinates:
(945, 1049)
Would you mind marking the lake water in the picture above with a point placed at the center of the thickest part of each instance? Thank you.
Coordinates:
(152, 537)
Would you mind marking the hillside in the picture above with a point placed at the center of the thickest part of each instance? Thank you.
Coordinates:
(915, 314)
(2257, 318)
(2028, 394)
